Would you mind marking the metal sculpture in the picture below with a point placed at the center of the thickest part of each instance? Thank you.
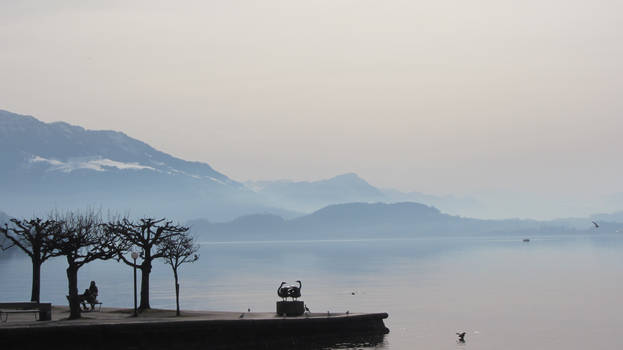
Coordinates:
(294, 291)
(282, 291)
(291, 307)
(289, 291)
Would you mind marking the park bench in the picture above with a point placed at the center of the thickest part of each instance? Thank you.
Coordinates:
(93, 305)
(84, 308)
(42, 311)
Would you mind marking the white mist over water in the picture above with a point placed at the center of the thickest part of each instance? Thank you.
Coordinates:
(557, 292)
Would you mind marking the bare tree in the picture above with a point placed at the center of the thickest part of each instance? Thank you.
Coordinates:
(33, 238)
(176, 251)
(146, 234)
(5, 243)
(81, 240)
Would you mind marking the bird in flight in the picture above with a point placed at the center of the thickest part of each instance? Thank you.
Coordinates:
(594, 223)
(461, 336)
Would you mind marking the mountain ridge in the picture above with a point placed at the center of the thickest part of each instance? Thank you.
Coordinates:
(60, 166)
(61, 142)
(377, 221)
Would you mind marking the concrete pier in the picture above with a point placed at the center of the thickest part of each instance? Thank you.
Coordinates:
(159, 329)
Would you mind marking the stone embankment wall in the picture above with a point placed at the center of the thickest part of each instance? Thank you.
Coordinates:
(200, 334)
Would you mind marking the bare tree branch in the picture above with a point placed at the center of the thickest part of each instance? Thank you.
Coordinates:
(176, 251)
(147, 234)
(33, 237)
(83, 238)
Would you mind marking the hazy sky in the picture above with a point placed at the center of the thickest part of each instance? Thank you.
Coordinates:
(444, 96)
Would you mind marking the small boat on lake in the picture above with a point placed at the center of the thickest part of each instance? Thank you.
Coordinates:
(526, 240)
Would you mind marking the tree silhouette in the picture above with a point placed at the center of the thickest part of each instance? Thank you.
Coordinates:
(82, 239)
(147, 234)
(178, 250)
(32, 237)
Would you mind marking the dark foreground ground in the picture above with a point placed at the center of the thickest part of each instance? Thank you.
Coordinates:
(115, 328)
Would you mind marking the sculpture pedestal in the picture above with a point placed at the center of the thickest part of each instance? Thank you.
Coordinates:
(290, 308)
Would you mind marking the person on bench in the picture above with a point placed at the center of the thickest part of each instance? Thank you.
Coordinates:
(90, 296)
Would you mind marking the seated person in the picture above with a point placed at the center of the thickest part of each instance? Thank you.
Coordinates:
(83, 298)
(89, 296)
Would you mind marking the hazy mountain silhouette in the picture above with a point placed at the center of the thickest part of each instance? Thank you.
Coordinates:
(611, 217)
(47, 166)
(308, 196)
(33, 145)
(370, 220)
(57, 165)
(448, 204)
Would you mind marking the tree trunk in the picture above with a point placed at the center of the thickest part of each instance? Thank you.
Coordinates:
(36, 281)
(177, 295)
(74, 301)
(145, 271)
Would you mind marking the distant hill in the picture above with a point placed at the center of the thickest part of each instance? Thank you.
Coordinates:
(610, 217)
(46, 166)
(309, 196)
(58, 165)
(455, 205)
(368, 220)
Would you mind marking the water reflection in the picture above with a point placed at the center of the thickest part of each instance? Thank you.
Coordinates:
(354, 342)
(559, 292)
(376, 341)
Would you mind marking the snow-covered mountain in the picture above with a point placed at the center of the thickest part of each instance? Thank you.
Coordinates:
(32, 145)
(47, 166)
(60, 166)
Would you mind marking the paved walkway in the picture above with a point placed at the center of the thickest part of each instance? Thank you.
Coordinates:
(110, 315)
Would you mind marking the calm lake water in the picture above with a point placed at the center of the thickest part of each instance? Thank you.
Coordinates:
(555, 292)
